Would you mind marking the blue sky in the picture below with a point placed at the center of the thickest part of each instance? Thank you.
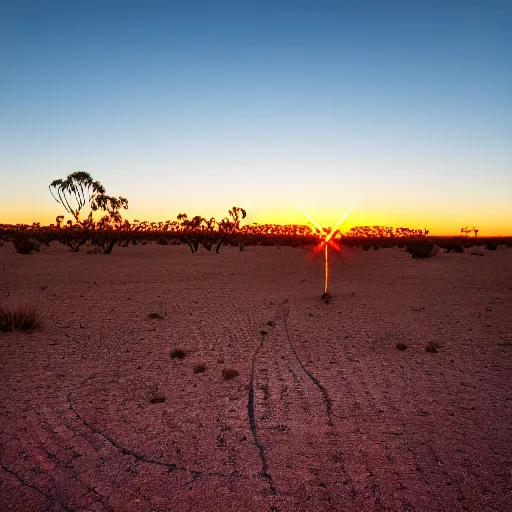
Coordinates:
(403, 107)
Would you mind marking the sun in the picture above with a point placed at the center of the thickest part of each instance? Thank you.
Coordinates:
(325, 241)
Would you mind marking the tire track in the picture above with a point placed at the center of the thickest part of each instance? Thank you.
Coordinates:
(51, 499)
(141, 458)
(288, 410)
(371, 486)
(427, 462)
(410, 462)
(325, 395)
(253, 425)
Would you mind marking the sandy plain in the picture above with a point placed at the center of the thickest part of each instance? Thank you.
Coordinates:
(325, 415)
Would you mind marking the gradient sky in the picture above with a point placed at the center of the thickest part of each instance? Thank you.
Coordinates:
(404, 107)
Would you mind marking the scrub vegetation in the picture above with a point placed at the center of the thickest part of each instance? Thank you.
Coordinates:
(97, 223)
(18, 317)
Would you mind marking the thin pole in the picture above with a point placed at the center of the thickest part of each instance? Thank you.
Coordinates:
(326, 260)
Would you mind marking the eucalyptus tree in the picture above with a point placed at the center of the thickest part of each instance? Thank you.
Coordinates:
(75, 191)
(230, 226)
(466, 230)
(190, 230)
(78, 190)
(237, 214)
(209, 233)
(110, 205)
(110, 229)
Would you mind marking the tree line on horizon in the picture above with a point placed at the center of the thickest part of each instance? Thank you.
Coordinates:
(81, 197)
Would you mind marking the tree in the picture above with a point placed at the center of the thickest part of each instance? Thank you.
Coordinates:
(466, 230)
(208, 228)
(110, 228)
(228, 227)
(235, 214)
(75, 191)
(111, 205)
(189, 229)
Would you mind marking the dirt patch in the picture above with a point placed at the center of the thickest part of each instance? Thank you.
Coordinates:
(324, 414)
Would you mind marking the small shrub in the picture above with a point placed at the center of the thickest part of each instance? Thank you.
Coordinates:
(263, 332)
(450, 246)
(178, 353)
(271, 323)
(157, 399)
(421, 249)
(94, 250)
(433, 347)
(18, 317)
(26, 246)
(491, 246)
(155, 315)
(401, 346)
(229, 374)
(199, 368)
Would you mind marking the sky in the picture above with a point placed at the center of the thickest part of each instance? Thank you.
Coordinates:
(402, 108)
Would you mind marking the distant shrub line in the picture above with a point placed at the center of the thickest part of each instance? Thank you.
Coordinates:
(79, 191)
(29, 238)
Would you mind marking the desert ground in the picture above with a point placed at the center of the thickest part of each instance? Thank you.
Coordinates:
(325, 414)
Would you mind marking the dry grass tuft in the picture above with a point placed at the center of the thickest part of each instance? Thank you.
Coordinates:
(229, 374)
(199, 368)
(19, 317)
(178, 353)
(157, 399)
(401, 346)
(433, 347)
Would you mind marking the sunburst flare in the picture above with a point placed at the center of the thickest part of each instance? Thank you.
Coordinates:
(325, 241)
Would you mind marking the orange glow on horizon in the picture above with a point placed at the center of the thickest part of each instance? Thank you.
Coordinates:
(438, 224)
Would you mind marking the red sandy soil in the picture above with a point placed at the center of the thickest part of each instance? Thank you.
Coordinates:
(326, 413)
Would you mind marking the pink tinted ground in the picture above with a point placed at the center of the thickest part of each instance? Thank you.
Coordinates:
(326, 413)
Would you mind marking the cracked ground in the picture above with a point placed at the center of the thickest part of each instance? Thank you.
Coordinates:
(325, 413)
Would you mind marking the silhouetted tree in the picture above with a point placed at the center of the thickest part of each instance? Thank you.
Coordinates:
(190, 229)
(110, 228)
(75, 191)
(230, 226)
(209, 233)
(111, 205)
(466, 230)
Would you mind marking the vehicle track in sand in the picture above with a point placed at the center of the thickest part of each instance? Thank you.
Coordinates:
(290, 412)
(169, 466)
(354, 468)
